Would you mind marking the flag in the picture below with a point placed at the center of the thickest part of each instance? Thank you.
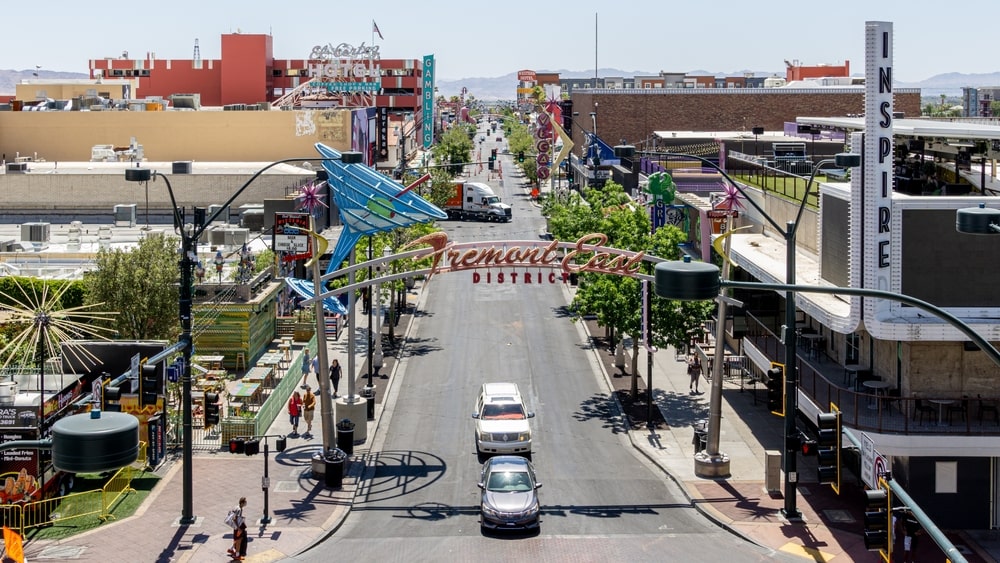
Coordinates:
(12, 544)
(375, 30)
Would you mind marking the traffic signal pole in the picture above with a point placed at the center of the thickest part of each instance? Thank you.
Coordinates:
(250, 445)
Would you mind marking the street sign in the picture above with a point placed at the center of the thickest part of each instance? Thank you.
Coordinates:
(873, 463)
(722, 213)
(290, 236)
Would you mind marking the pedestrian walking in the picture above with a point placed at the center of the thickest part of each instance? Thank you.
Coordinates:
(694, 371)
(308, 409)
(911, 531)
(335, 376)
(295, 411)
(238, 522)
(306, 365)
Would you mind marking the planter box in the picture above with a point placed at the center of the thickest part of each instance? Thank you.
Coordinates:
(303, 332)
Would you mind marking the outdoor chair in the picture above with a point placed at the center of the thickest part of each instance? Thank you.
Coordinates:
(920, 409)
(988, 407)
(961, 409)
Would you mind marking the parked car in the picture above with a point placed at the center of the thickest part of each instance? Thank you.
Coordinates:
(502, 420)
(510, 494)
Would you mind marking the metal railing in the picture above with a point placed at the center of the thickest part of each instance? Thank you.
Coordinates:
(882, 411)
(98, 503)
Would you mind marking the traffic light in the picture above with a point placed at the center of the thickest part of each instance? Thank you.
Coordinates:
(808, 447)
(211, 408)
(252, 446)
(878, 514)
(776, 389)
(828, 448)
(280, 443)
(150, 383)
(237, 445)
(520, 156)
(112, 396)
(490, 163)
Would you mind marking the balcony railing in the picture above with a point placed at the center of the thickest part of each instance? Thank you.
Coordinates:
(880, 410)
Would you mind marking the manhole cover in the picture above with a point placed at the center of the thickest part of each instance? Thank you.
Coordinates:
(838, 515)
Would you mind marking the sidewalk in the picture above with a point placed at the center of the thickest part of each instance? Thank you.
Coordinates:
(303, 511)
(832, 525)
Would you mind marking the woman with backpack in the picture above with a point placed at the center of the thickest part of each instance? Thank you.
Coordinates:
(239, 524)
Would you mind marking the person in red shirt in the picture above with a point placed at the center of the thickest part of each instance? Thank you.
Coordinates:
(295, 411)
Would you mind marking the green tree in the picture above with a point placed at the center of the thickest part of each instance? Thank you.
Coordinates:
(454, 147)
(617, 301)
(140, 284)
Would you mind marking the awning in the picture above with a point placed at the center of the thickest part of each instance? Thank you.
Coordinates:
(305, 289)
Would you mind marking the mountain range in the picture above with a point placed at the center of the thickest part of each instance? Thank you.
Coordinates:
(502, 87)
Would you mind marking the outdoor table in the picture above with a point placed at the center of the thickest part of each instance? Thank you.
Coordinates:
(815, 344)
(941, 403)
(851, 373)
(259, 374)
(211, 362)
(272, 360)
(878, 388)
(248, 393)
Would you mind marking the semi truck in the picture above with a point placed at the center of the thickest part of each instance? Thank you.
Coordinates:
(475, 200)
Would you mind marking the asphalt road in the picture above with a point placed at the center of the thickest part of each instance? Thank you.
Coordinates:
(601, 501)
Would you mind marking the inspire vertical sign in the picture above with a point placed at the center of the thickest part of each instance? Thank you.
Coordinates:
(878, 164)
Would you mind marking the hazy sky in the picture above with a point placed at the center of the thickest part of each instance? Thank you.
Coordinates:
(489, 39)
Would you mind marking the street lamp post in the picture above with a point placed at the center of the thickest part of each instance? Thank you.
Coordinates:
(379, 357)
(698, 281)
(189, 258)
(789, 339)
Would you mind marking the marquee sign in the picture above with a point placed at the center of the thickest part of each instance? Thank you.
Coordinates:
(586, 254)
(513, 262)
(345, 68)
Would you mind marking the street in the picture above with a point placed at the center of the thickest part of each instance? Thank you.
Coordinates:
(600, 500)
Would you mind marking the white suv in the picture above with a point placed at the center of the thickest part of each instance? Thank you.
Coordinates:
(502, 421)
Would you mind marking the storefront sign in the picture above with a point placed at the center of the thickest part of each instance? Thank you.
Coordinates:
(290, 236)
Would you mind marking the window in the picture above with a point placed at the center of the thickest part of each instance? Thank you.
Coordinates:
(853, 343)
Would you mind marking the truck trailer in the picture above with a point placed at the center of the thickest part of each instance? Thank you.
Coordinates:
(475, 200)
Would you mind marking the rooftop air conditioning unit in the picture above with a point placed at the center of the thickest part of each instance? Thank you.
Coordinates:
(125, 215)
(35, 232)
(223, 216)
(237, 236)
(217, 237)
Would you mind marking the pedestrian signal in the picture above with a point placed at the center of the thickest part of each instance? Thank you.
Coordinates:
(776, 389)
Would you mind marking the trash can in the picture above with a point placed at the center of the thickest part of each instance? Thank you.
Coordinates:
(369, 395)
(345, 436)
(700, 439)
(333, 463)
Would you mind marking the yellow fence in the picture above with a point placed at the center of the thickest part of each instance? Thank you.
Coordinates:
(96, 503)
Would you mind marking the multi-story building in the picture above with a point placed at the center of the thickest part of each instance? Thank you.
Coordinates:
(249, 73)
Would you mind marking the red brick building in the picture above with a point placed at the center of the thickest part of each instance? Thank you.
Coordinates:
(248, 73)
(634, 114)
